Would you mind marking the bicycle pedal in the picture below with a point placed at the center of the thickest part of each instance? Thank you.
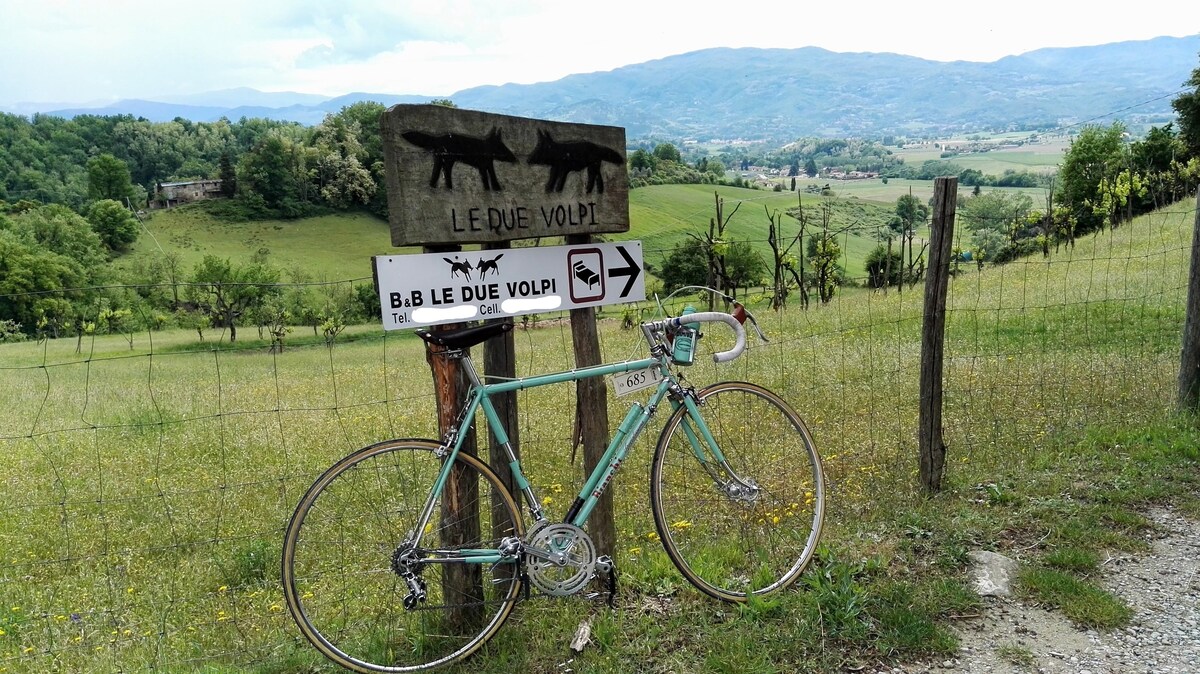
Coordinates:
(612, 587)
(606, 565)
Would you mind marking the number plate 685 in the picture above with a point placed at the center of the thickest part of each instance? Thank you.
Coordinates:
(628, 382)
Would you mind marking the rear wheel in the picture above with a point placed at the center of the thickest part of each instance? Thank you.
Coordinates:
(368, 599)
(750, 526)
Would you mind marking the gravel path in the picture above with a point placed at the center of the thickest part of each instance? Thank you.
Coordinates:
(1162, 588)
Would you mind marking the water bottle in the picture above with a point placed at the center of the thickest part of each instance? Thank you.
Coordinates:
(684, 348)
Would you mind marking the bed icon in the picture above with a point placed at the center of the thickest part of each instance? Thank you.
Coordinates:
(585, 267)
(584, 274)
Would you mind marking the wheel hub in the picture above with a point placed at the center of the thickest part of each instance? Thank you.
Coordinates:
(746, 490)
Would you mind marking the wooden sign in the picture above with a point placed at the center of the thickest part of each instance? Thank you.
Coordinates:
(461, 176)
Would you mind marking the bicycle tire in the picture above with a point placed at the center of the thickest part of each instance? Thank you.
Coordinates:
(339, 579)
(731, 548)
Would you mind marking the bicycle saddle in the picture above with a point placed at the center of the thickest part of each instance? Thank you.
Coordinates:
(465, 338)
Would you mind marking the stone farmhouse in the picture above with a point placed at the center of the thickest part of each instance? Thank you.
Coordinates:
(167, 195)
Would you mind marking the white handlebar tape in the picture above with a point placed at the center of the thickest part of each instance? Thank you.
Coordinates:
(718, 317)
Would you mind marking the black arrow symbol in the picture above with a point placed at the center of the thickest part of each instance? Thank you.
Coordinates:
(632, 270)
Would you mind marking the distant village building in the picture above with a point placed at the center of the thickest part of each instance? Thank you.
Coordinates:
(167, 195)
(839, 174)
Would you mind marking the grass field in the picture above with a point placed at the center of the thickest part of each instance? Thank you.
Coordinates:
(340, 247)
(335, 247)
(1043, 156)
(147, 488)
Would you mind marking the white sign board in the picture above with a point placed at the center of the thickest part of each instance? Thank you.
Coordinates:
(433, 288)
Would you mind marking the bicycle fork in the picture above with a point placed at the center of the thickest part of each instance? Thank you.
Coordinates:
(708, 453)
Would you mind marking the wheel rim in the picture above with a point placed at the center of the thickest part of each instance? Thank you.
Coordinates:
(735, 541)
(343, 588)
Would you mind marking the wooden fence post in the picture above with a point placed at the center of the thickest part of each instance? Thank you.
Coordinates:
(500, 360)
(931, 443)
(591, 411)
(460, 499)
(1189, 366)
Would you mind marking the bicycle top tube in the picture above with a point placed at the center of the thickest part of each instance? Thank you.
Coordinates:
(656, 333)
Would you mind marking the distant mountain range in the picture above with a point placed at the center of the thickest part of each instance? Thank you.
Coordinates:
(784, 93)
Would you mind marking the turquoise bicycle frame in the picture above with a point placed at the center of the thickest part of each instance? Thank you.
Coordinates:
(703, 445)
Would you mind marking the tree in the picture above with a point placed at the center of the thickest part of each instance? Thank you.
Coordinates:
(226, 291)
(1119, 192)
(782, 259)
(641, 160)
(714, 246)
(825, 253)
(744, 267)
(275, 170)
(996, 220)
(1159, 157)
(1187, 106)
(364, 118)
(1094, 155)
(341, 177)
(666, 152)
(882, 271)
(996, 210)
(63, 231)
(228, 175)
(715, 168)
(972, 177)
(117, 227)
(116, 322)
(108, 178)
(349, 184)
(687, 265)
(31, 281)
(810, 167)
(910, 214)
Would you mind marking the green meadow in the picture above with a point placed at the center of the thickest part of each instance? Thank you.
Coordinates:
(148, 484)
(339, 247)
(1042, 156)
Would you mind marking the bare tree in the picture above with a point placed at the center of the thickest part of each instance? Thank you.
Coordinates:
(713, 244)
(784, 263)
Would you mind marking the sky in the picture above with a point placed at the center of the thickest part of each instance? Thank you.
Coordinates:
(98, 51)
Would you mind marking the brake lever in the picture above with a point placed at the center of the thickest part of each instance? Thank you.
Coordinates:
(742, 315)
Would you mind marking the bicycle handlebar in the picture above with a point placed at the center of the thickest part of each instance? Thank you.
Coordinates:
(716, 317)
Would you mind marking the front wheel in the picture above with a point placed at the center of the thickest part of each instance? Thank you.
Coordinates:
(743, 520)
(369, 598)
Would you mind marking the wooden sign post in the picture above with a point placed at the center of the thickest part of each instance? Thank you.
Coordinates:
(459, 177)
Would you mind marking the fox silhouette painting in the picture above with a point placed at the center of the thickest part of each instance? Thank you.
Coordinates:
(456, 267)
(484, 266)
(567, 157)
(451, 148)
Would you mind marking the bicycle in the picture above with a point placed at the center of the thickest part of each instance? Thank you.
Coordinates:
(392, 556)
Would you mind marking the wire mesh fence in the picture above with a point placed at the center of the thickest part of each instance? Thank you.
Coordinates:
(150, 474)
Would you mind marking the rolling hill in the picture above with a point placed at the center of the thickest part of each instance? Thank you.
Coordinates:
(339, 247)
(777, 94)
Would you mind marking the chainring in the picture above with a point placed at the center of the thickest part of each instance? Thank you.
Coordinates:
(574, 562)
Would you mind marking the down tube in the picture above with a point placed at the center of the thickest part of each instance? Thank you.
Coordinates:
(629, 430)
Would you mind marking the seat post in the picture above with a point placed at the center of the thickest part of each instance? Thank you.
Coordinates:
(469, 368)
